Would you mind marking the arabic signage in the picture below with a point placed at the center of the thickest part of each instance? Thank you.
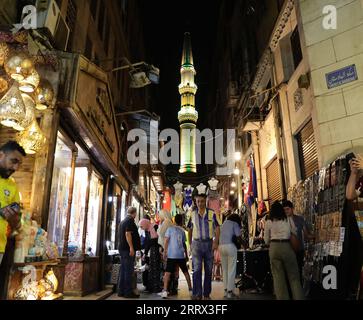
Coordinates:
(342, 76)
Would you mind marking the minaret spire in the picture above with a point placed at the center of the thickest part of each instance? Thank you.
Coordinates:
(187, 116)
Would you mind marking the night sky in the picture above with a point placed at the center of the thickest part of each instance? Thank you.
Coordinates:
(164, 25)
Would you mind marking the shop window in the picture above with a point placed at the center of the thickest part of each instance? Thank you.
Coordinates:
(60, 192)
(115, 215)
(296, 47)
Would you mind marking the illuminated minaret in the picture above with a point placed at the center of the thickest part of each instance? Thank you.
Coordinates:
(187, 115)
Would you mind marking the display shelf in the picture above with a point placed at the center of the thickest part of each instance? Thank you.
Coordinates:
(36, 264)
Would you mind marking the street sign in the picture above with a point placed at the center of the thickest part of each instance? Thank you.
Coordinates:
(342, 76)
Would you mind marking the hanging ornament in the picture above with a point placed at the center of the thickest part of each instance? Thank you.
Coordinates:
(29, 113)
(12, 108)
(4, 53)
(4, 86)
(44, 95)
(31, 139)
(18, 65)
(30, 83)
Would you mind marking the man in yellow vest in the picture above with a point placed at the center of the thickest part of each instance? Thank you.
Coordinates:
(203, 230)
(11, 157)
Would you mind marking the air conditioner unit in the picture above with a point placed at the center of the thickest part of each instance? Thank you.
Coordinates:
(139, 79)
(51, 20)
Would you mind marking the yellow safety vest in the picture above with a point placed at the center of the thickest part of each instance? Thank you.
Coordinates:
(197, 230)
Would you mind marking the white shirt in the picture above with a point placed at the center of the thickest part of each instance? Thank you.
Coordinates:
(279, 229)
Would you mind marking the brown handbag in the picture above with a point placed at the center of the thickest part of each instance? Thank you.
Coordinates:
(295, 242)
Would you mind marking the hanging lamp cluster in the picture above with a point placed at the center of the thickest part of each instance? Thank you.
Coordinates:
(22, 91)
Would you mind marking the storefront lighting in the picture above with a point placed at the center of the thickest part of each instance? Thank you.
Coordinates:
(31, 139)
(110, 199)
(29, 113)
(236, 171)
(44, 95)
(4, 53)
(232, 192)
(30, 83)
(12, 108)
(237, 156)
(233, 184)
(19, 66)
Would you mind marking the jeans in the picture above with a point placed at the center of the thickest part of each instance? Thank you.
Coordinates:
(124, 286)
(283, 260)
(229, 265)
(202, 251)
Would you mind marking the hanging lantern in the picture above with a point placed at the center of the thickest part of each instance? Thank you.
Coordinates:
(18, 65)
(31, 139)
(30, 83)
(44, 95)
(4, 86)
(12, 108)
(29, 113)
(4, 53)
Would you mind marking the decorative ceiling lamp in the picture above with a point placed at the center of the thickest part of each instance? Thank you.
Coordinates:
(19, 66)
(44, 95)
(12, 108)
(30, 83)
(29, 113)
(4, 86)
(4, 53)
(31, 139)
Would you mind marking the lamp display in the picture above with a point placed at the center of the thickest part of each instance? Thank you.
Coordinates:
(19, 66)
(44, 95)
(3, 85)
(30, 83)
(31, 139)
(29, 113)
(4, 53)
(12, 108)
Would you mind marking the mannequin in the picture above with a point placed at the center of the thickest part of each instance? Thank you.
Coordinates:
(213, 184)
(178, 194)
(202, 188)
(188, 200)
(213, 200)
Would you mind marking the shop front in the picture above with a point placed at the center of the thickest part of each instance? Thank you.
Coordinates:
(86, 194)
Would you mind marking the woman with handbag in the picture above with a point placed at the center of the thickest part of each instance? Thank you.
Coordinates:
(230, 229)
(280, 233)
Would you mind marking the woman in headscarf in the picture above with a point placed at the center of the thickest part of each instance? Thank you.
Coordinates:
(154, 279)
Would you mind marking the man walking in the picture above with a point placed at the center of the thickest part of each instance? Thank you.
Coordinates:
(11, 157)
(129, 244)
(203, 227)
(302, 232)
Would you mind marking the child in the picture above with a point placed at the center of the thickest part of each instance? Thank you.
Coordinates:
(175, 252)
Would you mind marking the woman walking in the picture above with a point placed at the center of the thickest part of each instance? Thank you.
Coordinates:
(154, 274)
(228, 250)
(283, 261)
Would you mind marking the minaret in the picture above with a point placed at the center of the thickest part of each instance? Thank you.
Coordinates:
(187, 115)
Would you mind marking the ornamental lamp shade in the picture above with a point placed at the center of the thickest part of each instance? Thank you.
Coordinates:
(12, 108)
(31, 139)
(19, 66)
(29, 113)
(30, 83)
(4, 53)
(44, 95)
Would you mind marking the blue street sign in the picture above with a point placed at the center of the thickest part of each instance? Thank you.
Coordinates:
(342, 76)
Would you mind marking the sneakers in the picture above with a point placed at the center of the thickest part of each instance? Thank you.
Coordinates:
(163, 294)
(196, 298)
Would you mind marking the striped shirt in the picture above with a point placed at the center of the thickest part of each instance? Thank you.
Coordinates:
(203, 227)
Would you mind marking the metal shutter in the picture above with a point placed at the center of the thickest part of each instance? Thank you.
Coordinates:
(307, 151)
(273, 182)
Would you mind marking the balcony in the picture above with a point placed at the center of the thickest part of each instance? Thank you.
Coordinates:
(233, 94)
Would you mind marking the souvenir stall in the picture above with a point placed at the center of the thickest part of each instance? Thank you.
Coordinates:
(29, 78)
(321, 200)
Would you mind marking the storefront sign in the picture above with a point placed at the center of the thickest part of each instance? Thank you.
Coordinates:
(342, 76)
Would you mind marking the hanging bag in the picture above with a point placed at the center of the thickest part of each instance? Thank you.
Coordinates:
(295, 242)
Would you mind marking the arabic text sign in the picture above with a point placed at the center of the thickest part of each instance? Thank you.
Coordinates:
(342, 76)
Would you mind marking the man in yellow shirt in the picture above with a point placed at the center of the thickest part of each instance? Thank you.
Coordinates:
(11, 157)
